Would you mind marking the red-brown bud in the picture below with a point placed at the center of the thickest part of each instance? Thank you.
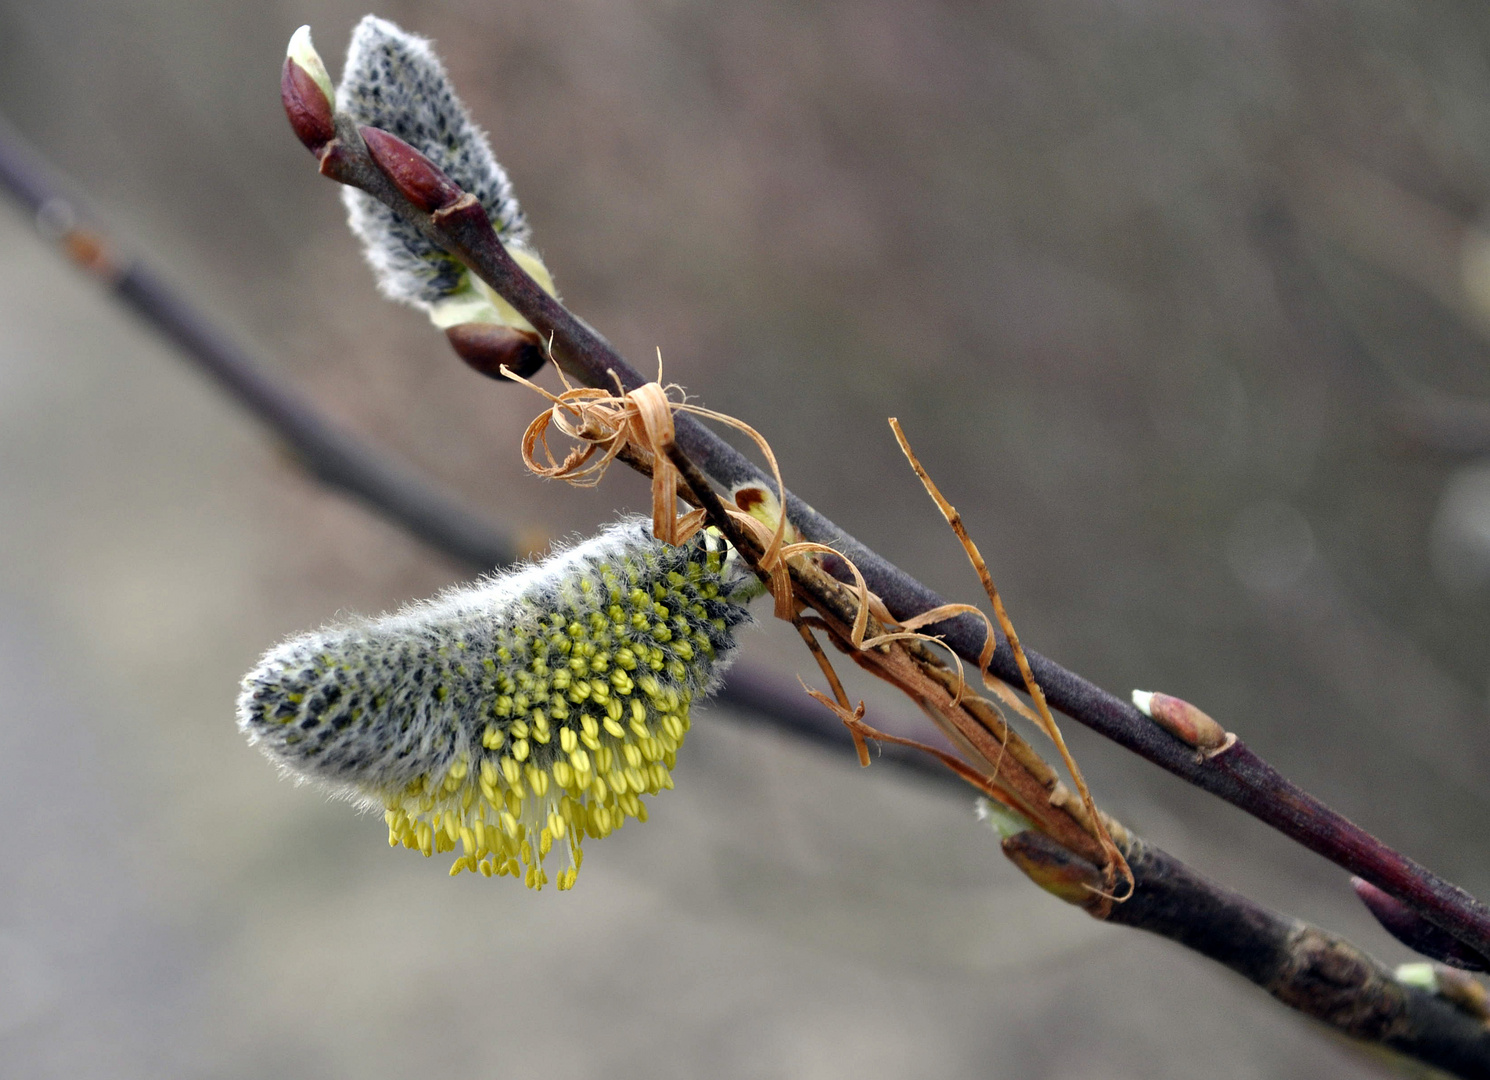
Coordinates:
(1416, 932)
(1056, 870)
(307, 106)
(1183, 720)
(417, 178)
(487, 346)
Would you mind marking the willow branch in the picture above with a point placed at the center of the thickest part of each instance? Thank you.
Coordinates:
(1306, 968)
(1236, 774)
(1319, 974)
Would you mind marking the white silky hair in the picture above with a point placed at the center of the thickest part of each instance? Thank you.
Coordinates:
(365, 706)
(393, 80)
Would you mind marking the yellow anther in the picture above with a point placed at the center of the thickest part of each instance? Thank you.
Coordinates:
(590, 725)
(563, 774)
(632, 753)
(545, 843)
(520, 749)
(467, 840)
(613, 729)
(635, 780)
(509, 824)
(510, 770)
(486, 868)
(604, 760)
(568, 740)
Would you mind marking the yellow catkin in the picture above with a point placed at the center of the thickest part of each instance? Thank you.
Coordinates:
(553, 706)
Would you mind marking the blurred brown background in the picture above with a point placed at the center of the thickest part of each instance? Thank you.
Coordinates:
(1186, 305)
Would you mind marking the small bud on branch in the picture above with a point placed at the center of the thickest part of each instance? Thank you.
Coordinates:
(487, 348)
(1055, 869)
(416, 177)
(306, 91)
(1416, 932)
(1184, 721)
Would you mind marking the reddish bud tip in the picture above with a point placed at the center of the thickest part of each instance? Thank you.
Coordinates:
(417, 178)
(487, 346)
(1416, 932)
(307, 106)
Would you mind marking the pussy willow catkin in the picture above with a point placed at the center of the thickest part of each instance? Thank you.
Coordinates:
(394, 81)
(530, 710)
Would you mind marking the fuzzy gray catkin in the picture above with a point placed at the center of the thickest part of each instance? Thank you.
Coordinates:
(530, 709)
(394, 81)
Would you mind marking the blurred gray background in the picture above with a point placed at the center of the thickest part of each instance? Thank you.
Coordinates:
(1186, 305)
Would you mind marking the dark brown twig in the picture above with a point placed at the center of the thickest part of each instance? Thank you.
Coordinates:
(1236, 774)
(1304, 967)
